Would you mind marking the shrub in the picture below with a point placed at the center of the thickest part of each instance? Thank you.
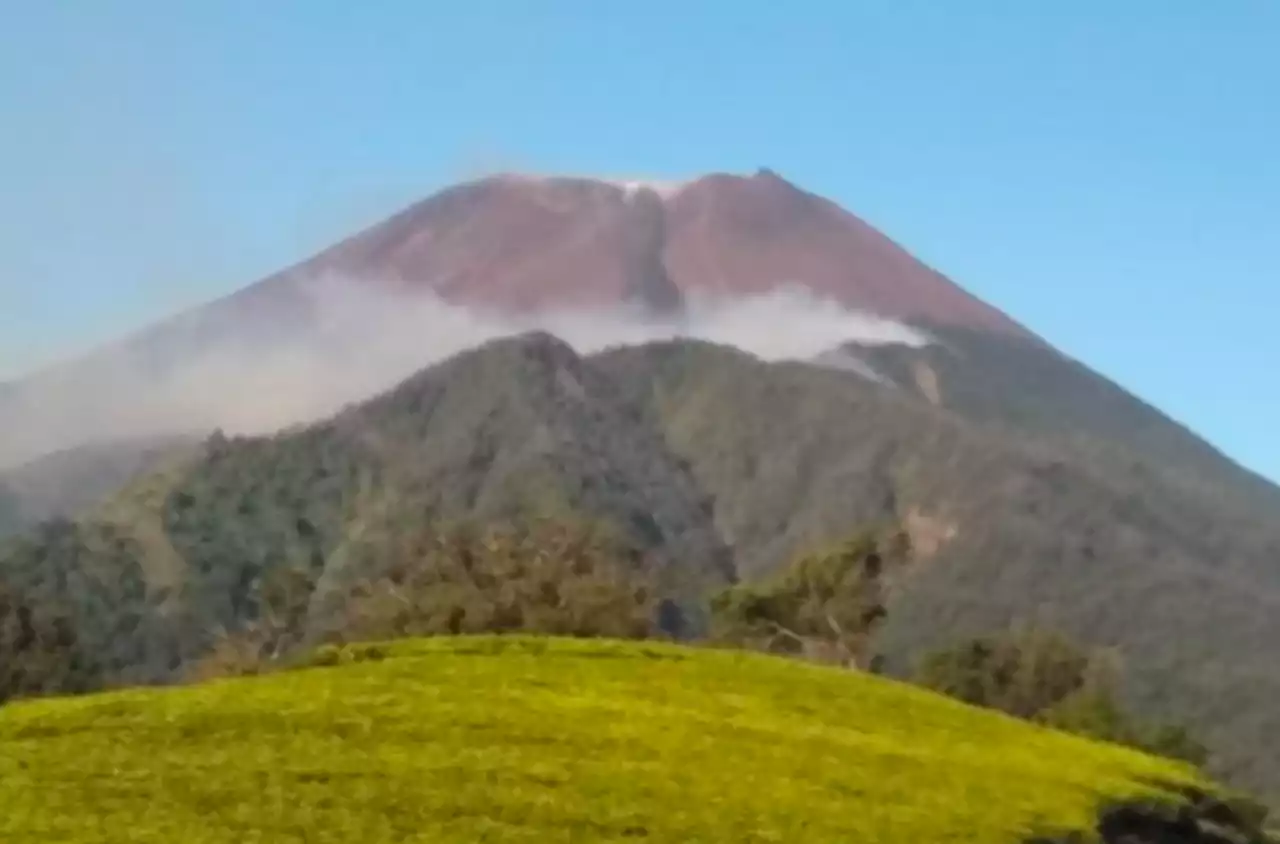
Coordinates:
(38, 649)
(545, 577)
(1043, 676)
(824, 606)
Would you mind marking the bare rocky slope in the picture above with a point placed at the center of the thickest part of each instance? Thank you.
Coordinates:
(521, 243)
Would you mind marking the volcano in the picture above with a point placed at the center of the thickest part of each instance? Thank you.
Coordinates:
(1036, 488)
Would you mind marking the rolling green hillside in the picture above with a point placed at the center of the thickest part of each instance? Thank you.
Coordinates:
(544, 740)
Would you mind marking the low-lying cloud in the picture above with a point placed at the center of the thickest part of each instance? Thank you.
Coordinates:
(364, 341)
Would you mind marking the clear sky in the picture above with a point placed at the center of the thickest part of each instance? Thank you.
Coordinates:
(1108, 172)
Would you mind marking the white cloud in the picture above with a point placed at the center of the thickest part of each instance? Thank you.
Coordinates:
(366, 341)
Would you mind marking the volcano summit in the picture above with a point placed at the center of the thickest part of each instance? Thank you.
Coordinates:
(524, 244)
(597, 261)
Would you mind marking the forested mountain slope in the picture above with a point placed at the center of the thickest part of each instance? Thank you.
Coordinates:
(1026, 526)
(65, 483)
(710, 465)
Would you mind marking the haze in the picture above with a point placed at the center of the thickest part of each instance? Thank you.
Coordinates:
(366, 341)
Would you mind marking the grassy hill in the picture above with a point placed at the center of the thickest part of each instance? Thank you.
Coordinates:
(525, 739)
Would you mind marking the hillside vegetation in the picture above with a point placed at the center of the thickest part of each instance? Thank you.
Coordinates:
(1025, 524)
(708, 467)
(526, 739)
(66, 483)
(11, 516)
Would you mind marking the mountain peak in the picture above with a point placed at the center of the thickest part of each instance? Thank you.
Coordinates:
(629, 185)
(508, 252)
(666, 188)
(525, 243)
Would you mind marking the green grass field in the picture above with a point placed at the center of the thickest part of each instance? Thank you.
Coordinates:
(544, 740)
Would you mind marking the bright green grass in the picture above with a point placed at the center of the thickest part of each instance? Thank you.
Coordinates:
(545, 740)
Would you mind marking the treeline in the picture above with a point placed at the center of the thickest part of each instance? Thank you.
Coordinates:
(548, 577)
(1041, 675)
(578, 579)
(827, 606)
(36, 649)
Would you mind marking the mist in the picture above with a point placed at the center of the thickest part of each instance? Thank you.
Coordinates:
(363, 341)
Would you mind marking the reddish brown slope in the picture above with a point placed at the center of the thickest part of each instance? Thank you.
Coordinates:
(734, 235)
(509, 243)
(525, 244)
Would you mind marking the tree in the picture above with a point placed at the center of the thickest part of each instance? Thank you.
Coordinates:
(38, 653)
(283, 603)
(1175, 741)
(1026, 672)
(825, 605)
(278, 631)
(1043, 676)
(542, 576)
(556, 577)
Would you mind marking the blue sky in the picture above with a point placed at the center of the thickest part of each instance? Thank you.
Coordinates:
(1109, 173)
